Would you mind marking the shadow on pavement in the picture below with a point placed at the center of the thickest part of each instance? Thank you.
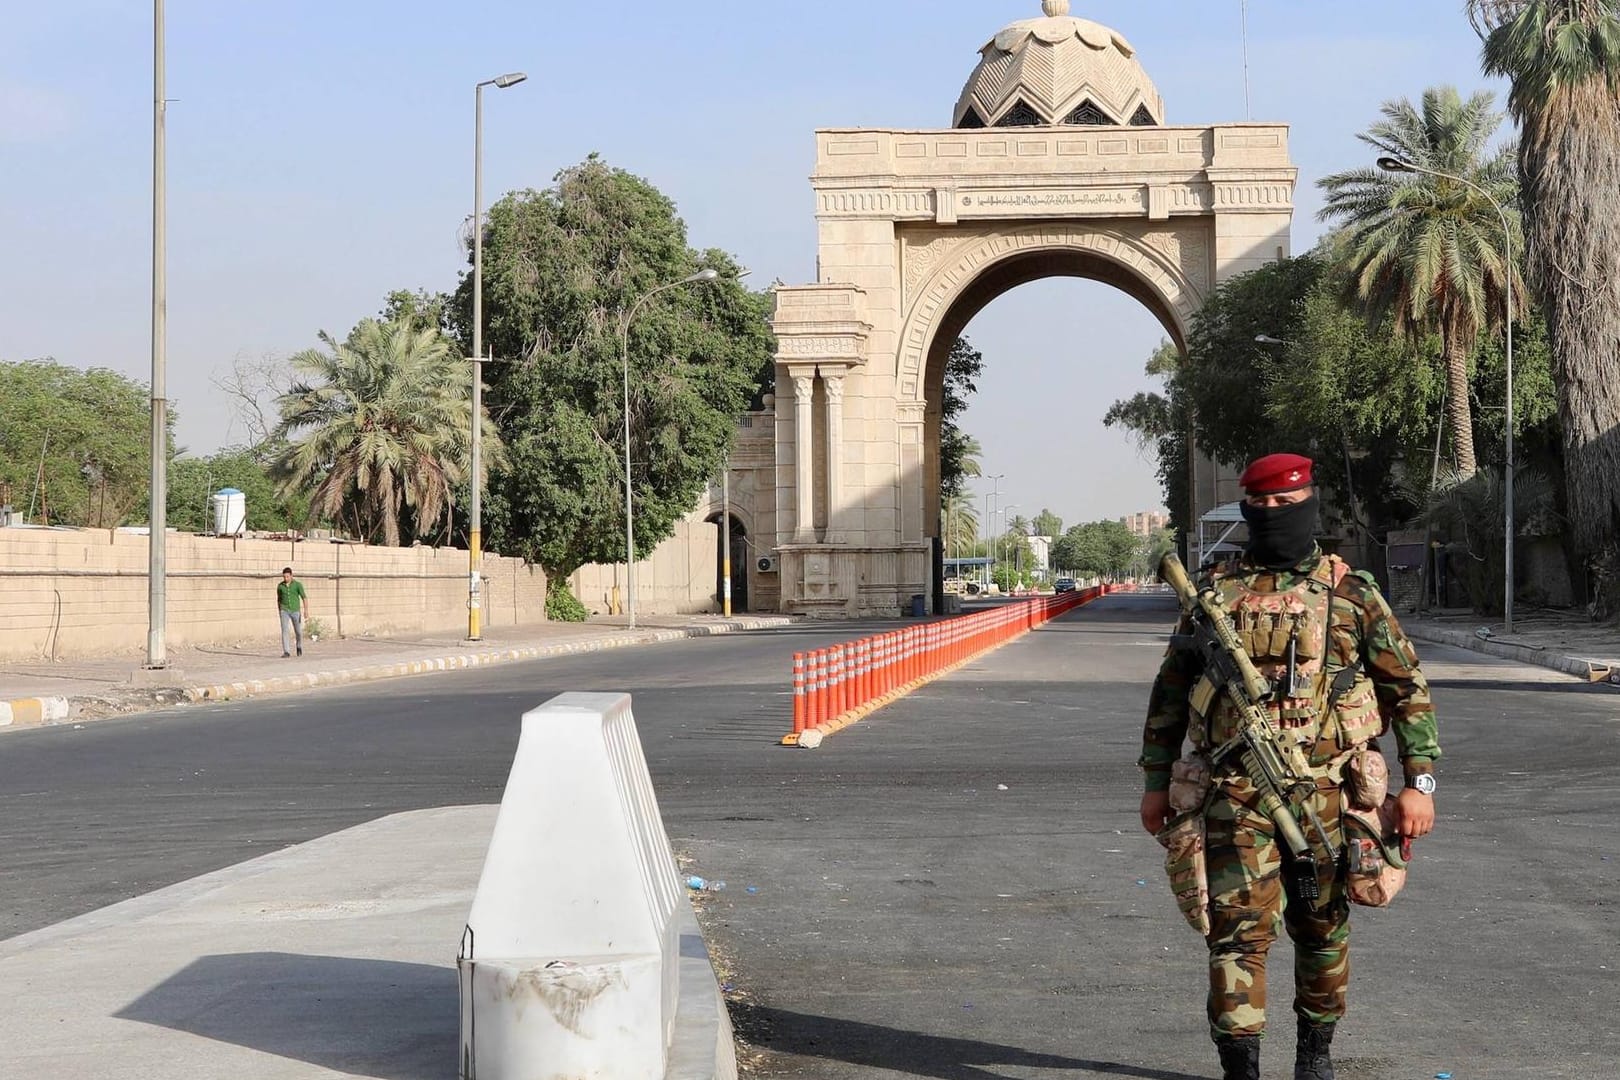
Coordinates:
(909, 1052)
(379, 1018)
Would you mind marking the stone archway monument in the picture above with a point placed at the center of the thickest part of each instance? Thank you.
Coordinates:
(1059, 163)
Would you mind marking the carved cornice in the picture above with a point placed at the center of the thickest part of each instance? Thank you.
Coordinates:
(821, 323)
(992, 198)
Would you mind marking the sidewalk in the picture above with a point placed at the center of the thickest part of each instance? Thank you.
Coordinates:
(39, 692)
(1559, 640)
(333, 958)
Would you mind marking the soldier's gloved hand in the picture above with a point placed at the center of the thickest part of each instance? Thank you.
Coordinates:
(1415, 813)
(1155, 810)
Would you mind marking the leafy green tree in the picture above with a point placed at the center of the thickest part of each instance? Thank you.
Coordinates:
(192, 482)
(1161, 422)
(959, 453)
(1563, 58)
(562, 268)
(1427, 251)
(377, 429)
(75, 444)
(1048, 524)
(422, 309)
(1157, 546)
(1100, 548)
(1225, 380)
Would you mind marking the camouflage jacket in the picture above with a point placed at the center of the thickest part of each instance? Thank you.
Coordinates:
(1363, 633)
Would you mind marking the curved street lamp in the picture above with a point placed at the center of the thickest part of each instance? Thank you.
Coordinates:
(476, 511)
(702, 276)
(1400, 165)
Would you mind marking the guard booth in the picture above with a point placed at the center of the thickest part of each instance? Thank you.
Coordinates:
(1212, 540)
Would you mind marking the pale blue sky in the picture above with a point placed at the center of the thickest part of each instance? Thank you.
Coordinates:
(320, 155)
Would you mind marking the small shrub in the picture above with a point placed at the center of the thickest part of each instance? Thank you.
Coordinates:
(562, 605)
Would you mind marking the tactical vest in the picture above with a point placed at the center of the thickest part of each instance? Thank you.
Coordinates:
(1309, 648)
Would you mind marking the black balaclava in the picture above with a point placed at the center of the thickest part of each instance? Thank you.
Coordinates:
(1281, 536)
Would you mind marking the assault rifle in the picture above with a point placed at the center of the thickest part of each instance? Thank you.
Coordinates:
(1274, 762)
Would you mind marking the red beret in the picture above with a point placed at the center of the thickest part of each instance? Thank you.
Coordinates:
(1276, 473)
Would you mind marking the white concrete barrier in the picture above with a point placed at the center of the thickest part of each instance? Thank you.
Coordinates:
(570, 963)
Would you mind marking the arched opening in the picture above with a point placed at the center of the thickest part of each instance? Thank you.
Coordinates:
(982, 292)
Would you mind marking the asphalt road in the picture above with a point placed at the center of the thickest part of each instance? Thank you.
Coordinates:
(958, 887)
(116, 808)
(954, 888)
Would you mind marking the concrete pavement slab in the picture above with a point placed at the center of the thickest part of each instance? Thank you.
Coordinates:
(334, 958)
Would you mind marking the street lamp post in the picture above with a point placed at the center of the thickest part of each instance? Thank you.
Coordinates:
(475, 533)
(989, 530)
(629, 508)
(157, 651)
(1005, 525)
(1395, 164)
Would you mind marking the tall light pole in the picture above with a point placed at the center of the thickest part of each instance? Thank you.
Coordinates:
(1399, 165)
(989, 529)
(629, 508)
(475, 534)
(1005, 525)
(157, 648)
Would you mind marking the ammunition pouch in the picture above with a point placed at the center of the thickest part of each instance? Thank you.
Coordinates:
(1186, 864)
(1366, 779)
(1190, 783)
(1375, 867)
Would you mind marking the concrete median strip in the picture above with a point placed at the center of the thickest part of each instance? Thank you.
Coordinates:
(34, 711)
(41, 711)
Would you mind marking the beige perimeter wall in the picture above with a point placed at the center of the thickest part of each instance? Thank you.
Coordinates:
(679, 579)
(67, 593)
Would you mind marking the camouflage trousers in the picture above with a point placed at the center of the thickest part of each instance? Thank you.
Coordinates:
(1250, 903)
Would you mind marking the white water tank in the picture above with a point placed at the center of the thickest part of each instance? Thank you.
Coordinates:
(230, 512)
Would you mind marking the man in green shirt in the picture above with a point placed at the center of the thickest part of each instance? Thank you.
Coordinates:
(291, 602)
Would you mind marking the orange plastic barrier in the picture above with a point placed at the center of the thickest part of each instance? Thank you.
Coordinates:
(834, 687)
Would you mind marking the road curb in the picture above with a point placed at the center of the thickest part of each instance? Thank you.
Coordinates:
(33, 711)
(462, 660)
(1580, 667)
(38, 712)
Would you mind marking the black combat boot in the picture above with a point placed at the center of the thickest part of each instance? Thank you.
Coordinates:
(1311, 1061)
(1240, 1058)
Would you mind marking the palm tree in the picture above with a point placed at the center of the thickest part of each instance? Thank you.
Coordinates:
(1563, 58)
(971, 452)
(961, 524)
(380, 425)
(1427, 251)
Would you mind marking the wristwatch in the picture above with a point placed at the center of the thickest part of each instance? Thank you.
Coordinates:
(1423, 782)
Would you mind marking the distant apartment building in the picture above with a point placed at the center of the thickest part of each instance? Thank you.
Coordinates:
(1146, 523)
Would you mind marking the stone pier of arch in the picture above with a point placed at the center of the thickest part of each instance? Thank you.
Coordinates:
(918, 230)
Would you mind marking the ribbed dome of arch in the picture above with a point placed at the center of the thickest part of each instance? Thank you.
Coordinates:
(1058, 69)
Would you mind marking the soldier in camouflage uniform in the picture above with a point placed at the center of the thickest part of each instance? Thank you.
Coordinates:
(1356, 676)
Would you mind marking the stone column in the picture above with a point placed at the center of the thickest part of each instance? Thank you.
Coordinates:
(804, 473)
(833, 382)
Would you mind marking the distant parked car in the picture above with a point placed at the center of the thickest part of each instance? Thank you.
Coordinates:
(1064, 584)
